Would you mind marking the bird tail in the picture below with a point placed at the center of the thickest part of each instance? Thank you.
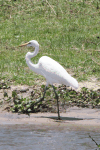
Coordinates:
(74, 83)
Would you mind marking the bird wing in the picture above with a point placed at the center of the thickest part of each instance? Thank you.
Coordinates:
(55, 73)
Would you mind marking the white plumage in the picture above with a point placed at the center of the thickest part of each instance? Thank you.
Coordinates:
(55, 73)
(49, 68)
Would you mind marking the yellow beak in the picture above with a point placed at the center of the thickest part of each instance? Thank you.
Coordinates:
(23, 44)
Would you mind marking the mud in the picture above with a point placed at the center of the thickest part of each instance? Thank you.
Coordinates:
(75, 118)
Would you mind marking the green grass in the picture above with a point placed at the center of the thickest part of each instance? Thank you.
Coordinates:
(67, 31)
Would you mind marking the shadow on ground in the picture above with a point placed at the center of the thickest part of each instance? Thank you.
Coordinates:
(62, 118)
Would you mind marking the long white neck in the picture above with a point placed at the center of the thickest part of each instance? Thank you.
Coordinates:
(29, 55)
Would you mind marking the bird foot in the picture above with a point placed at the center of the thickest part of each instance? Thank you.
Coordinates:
(59, 118)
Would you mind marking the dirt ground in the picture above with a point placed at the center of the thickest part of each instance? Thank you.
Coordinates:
(86, 118)
(75, 118)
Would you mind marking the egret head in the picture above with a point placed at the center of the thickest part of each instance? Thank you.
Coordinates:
(32, 43)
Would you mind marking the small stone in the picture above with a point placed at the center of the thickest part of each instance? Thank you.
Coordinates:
(24, 90)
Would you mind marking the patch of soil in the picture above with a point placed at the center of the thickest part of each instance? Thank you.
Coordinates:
(36, 92)
(73, 117)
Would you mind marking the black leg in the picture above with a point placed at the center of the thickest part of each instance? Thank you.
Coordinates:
(57, 103)
(44, 92)
(41, 99)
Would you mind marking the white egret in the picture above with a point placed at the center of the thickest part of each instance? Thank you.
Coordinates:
(50, 69)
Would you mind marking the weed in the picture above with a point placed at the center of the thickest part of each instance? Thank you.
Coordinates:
(67, 97)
